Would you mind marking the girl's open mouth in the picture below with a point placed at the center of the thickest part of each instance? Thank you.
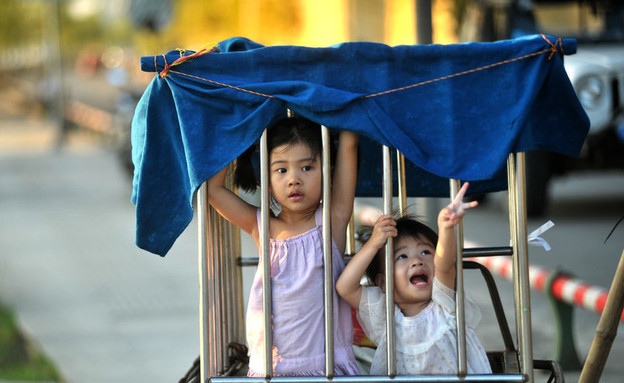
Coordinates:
(419, 280)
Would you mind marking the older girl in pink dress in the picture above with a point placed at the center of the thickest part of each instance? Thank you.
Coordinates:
(295, 232)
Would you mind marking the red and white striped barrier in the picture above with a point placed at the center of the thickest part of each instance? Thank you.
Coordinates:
(564, 288)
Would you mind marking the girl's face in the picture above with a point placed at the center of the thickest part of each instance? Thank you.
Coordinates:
(413, 273)
(295, 177)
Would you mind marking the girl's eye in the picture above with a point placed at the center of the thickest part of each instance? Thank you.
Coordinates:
(425, 252)
(401, 256)
(281, 170)
(306, 168)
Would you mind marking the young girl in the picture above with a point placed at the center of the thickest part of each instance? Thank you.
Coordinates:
(296, 248)
(424, 295)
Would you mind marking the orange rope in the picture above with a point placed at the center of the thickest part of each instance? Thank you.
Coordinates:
(553, 47)
(182, 59)
(222, 84)
(457, 74)
(556, 47)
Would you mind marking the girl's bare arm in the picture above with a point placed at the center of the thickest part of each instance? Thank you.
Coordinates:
(343, 186)
(230, 205)
(348, 284)
(449, 216)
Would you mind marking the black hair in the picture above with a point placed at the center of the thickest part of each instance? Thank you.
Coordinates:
(287, 131)
(407, 225)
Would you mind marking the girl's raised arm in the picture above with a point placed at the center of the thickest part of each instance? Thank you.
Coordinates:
(231, 206)
(348, 284)
(449, 216)
(343, 186)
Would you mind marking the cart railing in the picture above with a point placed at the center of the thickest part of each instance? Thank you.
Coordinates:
(221, 312)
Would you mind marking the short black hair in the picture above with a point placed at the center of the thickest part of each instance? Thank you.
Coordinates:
(407, 225)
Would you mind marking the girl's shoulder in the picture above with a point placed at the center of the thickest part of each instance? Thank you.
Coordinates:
(443, 296)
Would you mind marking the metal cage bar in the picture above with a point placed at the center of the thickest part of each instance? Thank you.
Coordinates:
(350, 245)
(522, 260)
(510, 378)
(237, 324)
(233, 280)
(266, 264)
(517, 224)
(389, 280)
(401, 183)
(220, 284)
(215, 256)
(328, 282)
(204, 240)
(512, 201)
(217, 285)
(460, 314)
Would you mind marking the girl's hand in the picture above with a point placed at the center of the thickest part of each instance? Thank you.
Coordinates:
(454, 212)
(384, 228)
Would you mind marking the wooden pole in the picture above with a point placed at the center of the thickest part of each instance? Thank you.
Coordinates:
(606, 330)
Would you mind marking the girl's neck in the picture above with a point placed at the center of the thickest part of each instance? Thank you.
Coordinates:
(413, 309)
(291, 223)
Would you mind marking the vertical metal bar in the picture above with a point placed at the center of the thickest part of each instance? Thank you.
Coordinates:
(233, 280)
(350, 248)
(237, 287)
(203, 254)
(460, 314)
(387, 208)
(266, 258)
(229, 267)
(212, 313)
(328, 287)
(217, 341)
(401, 182)
(513, 234)
(239, 309)
(522, 256)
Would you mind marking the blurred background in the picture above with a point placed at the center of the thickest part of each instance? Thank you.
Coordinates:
(75, 63)
(99, 309)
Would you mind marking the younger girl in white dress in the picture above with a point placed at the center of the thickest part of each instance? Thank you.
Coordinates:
(424, 295)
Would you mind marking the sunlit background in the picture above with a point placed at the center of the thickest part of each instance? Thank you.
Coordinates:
(52, 50)
(70, 78)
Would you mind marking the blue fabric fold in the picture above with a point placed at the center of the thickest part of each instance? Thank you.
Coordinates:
(454, 111)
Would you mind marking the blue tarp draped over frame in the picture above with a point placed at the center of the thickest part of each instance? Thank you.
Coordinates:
(456, 111)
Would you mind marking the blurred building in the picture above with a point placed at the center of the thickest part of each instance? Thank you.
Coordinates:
(306, 22)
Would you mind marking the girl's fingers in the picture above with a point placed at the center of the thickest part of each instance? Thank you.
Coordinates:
(460, 195)
(457, 206)
(470, 205)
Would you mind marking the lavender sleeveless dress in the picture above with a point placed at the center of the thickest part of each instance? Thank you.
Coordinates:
(298, 313)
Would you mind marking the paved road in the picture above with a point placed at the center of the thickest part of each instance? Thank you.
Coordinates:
(102, 309)
(106, 311)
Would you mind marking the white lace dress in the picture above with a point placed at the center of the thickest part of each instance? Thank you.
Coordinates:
(425, 343)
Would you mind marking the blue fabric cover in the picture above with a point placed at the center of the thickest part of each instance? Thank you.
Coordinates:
(191, 121)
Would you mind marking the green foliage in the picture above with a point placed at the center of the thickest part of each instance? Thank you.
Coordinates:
(21, 22)
(19, 359)
(41, 22)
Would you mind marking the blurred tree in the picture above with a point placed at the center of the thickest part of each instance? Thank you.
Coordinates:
(21, 22)
(96, 29)
(25, 22)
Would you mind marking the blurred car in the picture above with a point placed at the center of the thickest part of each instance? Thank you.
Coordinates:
(596, 72)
